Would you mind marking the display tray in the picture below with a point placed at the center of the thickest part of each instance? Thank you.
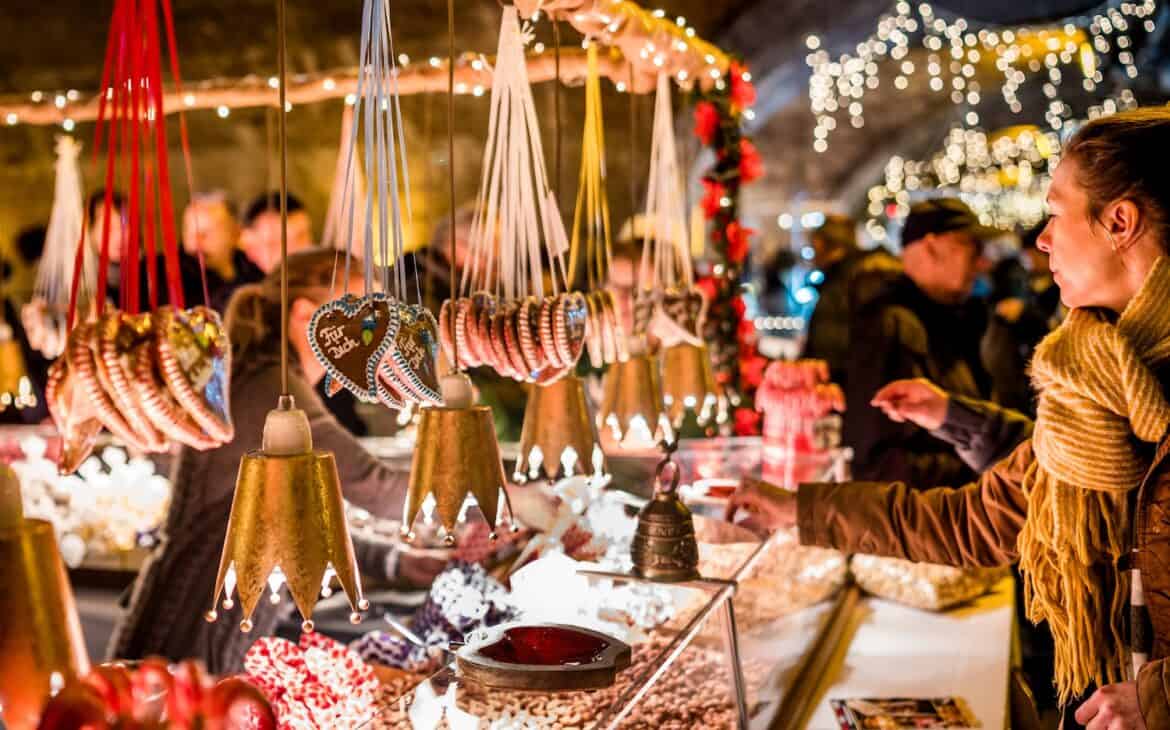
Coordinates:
(681, 672)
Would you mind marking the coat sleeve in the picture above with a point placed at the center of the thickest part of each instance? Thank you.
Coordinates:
(972, 526)
(1154, 693)
(365, 481)
(982, 432)
(889, 345)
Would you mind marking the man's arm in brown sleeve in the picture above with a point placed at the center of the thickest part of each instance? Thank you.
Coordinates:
(1154, 693)
(970, 526)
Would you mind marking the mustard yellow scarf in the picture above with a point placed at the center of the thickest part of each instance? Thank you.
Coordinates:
(1099, 399)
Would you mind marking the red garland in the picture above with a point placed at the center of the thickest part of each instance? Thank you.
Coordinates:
(717, 116)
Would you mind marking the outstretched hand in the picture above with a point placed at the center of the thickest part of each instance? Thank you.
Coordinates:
(771, 507)
(918, 401)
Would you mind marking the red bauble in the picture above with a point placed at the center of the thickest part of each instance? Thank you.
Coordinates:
(743, 93)
(706, 122)
(747, 422)
(713, 196)
(751, 167)
(738, 242)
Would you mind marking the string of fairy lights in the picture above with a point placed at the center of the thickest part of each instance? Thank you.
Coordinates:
(952, 53)
(655, 50)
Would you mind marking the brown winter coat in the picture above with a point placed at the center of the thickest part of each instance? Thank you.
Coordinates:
(977, 525)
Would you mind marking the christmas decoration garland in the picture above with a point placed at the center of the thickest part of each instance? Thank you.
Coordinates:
(731, 337)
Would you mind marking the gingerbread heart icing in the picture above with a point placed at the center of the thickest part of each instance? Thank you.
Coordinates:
(350, 336)
(195, 359)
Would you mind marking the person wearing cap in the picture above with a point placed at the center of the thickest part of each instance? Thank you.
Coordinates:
(920, 326)
(850, 276)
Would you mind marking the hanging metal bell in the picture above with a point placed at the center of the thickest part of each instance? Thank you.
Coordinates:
(631, 415)
(559, 438)
(15, 389)
(41, 645)
(287, 523)
(664, 546)
(456, 454)
(688, 383)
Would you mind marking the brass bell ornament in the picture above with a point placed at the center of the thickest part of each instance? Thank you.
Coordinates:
(456, 454)
(664, 547)
(559, 437)
(41, 645)
(287, 524)
(688, 383)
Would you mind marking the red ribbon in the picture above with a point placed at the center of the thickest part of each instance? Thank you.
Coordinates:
(131, 119)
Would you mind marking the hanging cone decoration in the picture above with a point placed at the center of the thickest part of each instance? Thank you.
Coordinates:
(688, 383)
(41, 645)
(668, 306)
(44, 317)
(287, 525)
(456, 455)
(631, 416)
(148, 377)
(559, 436)
(503, 316)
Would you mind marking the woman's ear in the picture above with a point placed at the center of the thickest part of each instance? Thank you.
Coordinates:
(1122, 220)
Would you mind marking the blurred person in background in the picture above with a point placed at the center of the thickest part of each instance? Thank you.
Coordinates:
(920, 325)
(260, 237)
(848, 276)
(210, 227)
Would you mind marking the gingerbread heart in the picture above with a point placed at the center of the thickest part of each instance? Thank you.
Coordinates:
(195, 359)
(412, 358)
(463, 319)
(72, 414)
(83, 366)
(160, 406)
(350, 336)
(391, 393)
(645, 302)
(118, 334)
(512, 346)
(528, 330)
(569, 323)
(548, 324)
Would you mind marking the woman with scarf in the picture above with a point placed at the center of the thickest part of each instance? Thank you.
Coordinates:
(1082, 503)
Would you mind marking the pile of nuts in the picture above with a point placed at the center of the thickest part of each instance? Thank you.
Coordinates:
(696, 691)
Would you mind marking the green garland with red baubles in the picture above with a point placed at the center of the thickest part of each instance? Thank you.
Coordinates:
(731, 337)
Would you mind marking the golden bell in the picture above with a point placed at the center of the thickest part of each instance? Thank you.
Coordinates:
(455, 454)
(558, 437)
(15, 388)
(687, 383)
(287, 514)
(631, 406)
(41, 646)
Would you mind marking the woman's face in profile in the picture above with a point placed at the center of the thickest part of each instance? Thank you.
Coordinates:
(1082, 260)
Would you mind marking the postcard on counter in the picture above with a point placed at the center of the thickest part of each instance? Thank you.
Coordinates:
(904, 713)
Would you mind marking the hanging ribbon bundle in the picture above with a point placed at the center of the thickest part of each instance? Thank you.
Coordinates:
(668, 305)
(502, 317)
(347, 186)
(44, 317)
(605, 341)
(377, 345)
(160, 375)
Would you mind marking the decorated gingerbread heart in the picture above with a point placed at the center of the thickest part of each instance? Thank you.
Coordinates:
(195, 359)
(350, 336)
(569, 323)
(73, 415)
(412, 358)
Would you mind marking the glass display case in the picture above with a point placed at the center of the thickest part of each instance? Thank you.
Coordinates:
(695, 662)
